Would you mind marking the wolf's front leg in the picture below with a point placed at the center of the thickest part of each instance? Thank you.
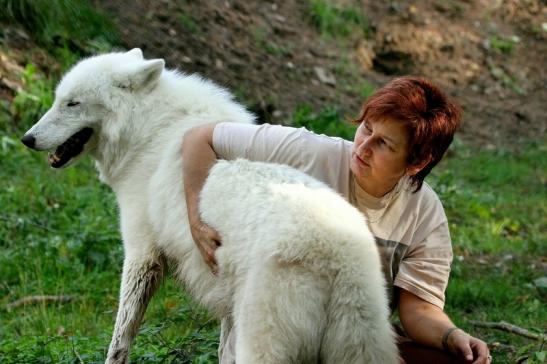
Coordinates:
(141, 276)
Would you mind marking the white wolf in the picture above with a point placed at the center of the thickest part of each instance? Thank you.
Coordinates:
(298, 269)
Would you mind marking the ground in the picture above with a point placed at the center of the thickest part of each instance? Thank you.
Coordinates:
(278, 56)
(488, 54)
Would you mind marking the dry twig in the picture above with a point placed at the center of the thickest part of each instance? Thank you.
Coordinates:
(76, 353)
(38, 299)
(505, 326)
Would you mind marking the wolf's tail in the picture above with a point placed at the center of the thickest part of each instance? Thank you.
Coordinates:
(358, 328)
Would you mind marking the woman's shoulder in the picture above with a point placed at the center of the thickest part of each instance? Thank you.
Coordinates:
(425, 202)
(322, 139)
(280, 132)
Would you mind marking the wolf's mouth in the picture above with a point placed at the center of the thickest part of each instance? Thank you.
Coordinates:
(70, 148)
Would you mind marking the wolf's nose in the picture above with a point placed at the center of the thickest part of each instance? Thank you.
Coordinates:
(28, 140)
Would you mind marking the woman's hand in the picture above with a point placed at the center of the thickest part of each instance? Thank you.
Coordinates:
(427, 324)
(207, 240)
(466, 346)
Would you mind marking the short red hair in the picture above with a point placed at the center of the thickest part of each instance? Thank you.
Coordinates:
(430, 117)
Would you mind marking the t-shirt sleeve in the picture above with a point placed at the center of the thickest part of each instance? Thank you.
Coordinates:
(263, 143)
(320, 156)
(425, 269)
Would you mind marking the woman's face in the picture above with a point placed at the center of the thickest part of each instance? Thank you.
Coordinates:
(379, 155)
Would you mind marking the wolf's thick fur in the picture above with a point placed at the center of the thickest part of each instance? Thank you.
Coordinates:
(298, 269)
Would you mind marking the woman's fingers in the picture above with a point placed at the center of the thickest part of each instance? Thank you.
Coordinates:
(474, 351)
(208, 240)
(480, 349)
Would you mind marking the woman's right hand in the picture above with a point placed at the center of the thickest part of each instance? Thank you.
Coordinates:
(208, 240)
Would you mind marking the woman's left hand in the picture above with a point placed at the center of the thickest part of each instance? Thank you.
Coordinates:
(463, 345)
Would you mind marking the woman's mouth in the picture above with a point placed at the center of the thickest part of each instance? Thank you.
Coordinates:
(361, 161)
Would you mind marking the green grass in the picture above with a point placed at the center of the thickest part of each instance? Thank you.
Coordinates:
(337, 21)
(503, 45)
(328, 121)
(68, 28)
(350, 74)
(496, 205)
(263, 41)
(59, 235)
(188, 23)
(496, 199)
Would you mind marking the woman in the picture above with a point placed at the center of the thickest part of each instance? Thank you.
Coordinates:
(404, 130)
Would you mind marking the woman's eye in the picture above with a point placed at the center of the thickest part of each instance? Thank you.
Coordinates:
(73, 103)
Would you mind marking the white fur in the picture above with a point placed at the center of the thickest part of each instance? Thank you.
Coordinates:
(299, 270)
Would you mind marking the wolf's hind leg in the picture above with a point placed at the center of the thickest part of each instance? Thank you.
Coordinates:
(140, 278)
(281, 316)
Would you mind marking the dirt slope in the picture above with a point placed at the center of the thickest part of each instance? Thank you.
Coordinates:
(489, 54)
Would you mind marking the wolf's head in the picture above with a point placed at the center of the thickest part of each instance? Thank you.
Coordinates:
(87, 100)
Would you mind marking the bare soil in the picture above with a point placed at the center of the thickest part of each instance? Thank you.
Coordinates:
(489, 55)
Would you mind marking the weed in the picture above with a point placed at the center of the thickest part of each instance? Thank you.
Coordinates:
(503, 45)
(261, 37)
(35, 98)
(59, 235)
(338, 21)
(367, 90)
(189, 24)
(346, 67)
(62, 24)
(328, 122)
(492, 200)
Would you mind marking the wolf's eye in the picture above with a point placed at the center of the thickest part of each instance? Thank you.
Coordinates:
(72, 103)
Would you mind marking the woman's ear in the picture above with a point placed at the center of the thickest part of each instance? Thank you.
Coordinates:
(415, 168)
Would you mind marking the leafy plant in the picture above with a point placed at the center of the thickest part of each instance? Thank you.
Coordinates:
(35, 98)
(328, 122)
(262, 40)
(332, 20)
(62, 24)
(503, 45)
(59, 235)
(188, 23)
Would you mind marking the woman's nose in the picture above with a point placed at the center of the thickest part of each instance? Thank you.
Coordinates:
(364, 148)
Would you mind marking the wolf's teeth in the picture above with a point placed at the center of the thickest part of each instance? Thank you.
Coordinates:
(53, 158)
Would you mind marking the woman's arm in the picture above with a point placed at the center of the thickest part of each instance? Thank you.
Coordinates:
(426, 324)
(198, 156)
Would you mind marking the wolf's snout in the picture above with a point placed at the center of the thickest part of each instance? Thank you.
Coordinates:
(28, 140)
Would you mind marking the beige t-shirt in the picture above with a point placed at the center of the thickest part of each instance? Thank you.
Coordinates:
(411, 229)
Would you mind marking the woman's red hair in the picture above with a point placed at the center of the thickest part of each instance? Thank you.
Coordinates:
(431, 119)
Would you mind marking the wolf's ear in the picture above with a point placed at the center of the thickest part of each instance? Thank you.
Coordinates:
(135, 52)
(140, 75)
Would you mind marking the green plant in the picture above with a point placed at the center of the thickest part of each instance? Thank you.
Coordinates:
(492, 197)
(62, 24)
(59, 235)
(337, 21)
(189, 24)
(261, 37)
(367, 89)
(35, 98)
(328, 121)
(503, 45)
